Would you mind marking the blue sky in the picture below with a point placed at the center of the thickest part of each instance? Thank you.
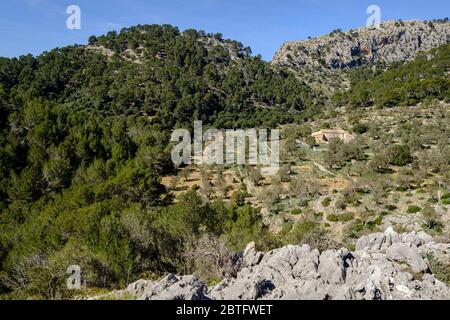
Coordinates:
(34, 26)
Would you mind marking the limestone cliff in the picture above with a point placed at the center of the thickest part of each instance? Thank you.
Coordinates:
(321, 59)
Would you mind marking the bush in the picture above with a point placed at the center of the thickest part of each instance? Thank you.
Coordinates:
(445, 199)
(305, 131)
(414, 209)
(375, 222)
(355, 230)
(310, 232)
(304, 203)
(440, 269)
(360, 128)
(341, 203)
(310, 141)
(333, 217)
(334, 156)
(399, 155)
(326, 202)
(432, 218)
(345, 217)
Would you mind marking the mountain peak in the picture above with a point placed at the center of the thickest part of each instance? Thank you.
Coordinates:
(392, 41)
(322, 62)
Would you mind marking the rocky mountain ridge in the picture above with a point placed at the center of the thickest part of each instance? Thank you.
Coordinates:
(134, 49)
(393, 41)
(383, 266)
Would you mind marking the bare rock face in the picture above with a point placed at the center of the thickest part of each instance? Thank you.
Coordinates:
(169, 288)
(386, 266)
(408, 254)
(393, 41)
(323, 62)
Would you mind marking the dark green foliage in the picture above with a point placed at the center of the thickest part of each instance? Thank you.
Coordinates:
(333, 155)
(359, 227)
(333, 218)
(309, 231)
(345, 217)
(399, 155)
(414, 209)
(326, 202)
(360, 128)
(219, 84)
(85, 140)
(339, 153)
(440, 269)
(404, 83)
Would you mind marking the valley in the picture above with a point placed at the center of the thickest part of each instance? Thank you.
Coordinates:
(87, 178)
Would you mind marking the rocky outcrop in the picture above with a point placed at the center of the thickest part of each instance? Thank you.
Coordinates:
(169, 288)
(392, 41)
(384, 266)
(323, 62)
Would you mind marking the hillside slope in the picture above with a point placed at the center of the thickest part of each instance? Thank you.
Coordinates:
(86, 176)
(85, 140)
(323, 59)
(384, 266)
(403, 83)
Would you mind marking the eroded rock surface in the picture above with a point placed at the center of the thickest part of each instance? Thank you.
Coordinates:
(383, 266)
(322, 61)
(392, 41)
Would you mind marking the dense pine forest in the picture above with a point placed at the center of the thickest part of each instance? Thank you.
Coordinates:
(84, 145)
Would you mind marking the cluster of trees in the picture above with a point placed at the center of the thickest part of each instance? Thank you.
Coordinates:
(183, 76)
(85, 141)
(115, 239)
(67, 178)
(396, 155)
(404, 83)
(339, 153)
